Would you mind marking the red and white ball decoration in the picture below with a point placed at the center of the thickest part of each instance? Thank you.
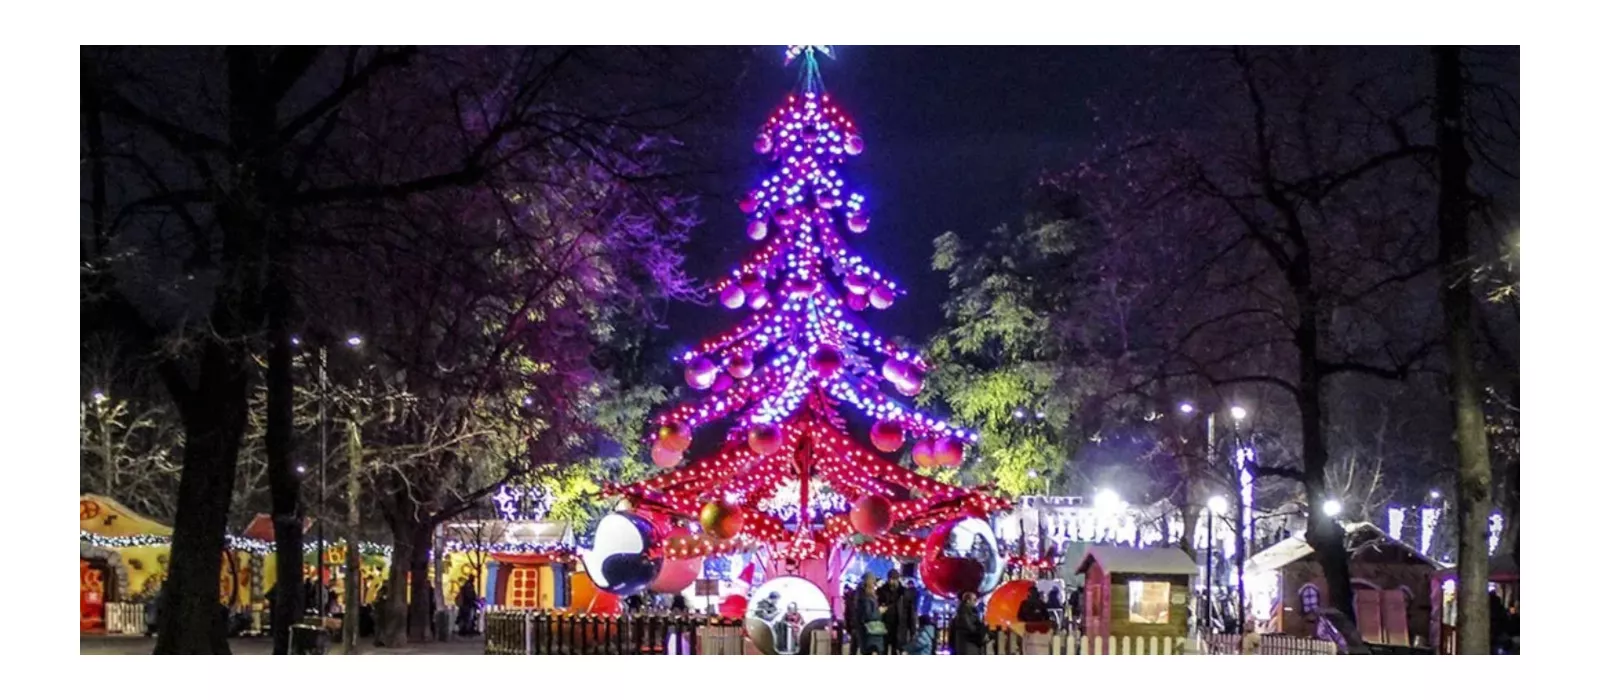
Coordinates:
(857, 221)
(888, 435)
(721, 520)
(757, 230)
(870, 515)
(665, 457)
(741, 366)
(826, 361)
(961, 556)
(700, 373)
(882, 297)
(948, 451)
(765, 438)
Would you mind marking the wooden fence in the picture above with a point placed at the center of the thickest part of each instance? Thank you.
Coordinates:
(124, 618)
(543, 632)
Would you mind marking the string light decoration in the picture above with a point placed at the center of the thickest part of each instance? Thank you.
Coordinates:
(779, 376)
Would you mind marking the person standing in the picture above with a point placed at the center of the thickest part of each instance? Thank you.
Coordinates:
(467, 608)
(967, 631)
(889, 597)
(869, 617)
(849, 603)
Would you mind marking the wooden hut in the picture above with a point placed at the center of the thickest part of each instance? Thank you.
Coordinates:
(1505, 582)
(1136, 592)
(1287, 587)
(533, 568)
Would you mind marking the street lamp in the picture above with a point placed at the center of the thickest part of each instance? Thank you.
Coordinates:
(1106, 500)
(1238, 412)
(1186, 407)
(1332, 507)
(353, 341)
(1434, 494)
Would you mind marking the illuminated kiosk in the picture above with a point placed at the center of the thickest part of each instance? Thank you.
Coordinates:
(1132, 592)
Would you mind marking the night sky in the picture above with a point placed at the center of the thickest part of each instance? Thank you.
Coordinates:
(955, 137)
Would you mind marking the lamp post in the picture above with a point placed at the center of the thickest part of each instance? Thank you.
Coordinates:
(353, 341)
(1212, 506)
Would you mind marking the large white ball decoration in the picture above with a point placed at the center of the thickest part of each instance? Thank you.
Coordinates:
(882, 297)
(700, 373)
(854, 144)
(732, 296)
(757, 230)
(783, 612)
(620, 562)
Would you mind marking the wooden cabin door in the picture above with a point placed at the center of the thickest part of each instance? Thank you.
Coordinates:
(522, 588)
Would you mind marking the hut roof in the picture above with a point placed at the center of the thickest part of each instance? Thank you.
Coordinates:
(104, 516)
(260, 528)
(1132, 560)
(1359, 537)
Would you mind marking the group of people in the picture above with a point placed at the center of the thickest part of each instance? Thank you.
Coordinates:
(883, 619)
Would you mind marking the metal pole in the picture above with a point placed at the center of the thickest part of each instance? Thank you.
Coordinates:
(322, 493)
(1211, 543)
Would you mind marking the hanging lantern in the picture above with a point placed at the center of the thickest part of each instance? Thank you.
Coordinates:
(870, 515)
(854, 144)
(763, 143)
(856, 302)
(721, 520)
(857, 283)
(888, 435)
(674, 436)
(732, 296)
(882, 297)
(747, 203)
(826, 361)
(757, 230)
(765, 438)
(922, 453)
(665, 457)
(948, 451)
(740, 366)
(857, 221)
(700, 373)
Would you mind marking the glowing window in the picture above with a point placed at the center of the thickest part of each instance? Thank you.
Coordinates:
(1149, 602)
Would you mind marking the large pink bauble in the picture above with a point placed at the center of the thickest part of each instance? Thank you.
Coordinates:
(826, 361)
(854, 144)
(763, 143)
(757, 230)
(665, 457)
(751, 282)
(922, 454)
(740, 366)
(895, 370)
(909, 387)
(677, 574)
(856, 302)
(759, 299)
(700, 373)
(882, 297)
(857, 221)
(732, 296)
(888, 435)
(870, 515)
(747, 203)
(722, 383)
(961, 556)
(674, 436)
(948, 451)
(765, 439)
(857, 283)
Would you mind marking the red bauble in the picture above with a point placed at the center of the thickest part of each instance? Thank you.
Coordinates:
(740, 366)
(948, 451)
(857, 283)
(674, 436)
(857, 221)
(759, 299)
(763, 143)
(721, 520)
(700, 373)
(757, 230)
(910, 381)
(1006, 602)
(677, 574)
(882, 297)
(747, 203)
(870, 515)
(922, 453)
(888, 435)
(895, 370)
(765, 438)
(733, 606)
(752, 283)
(785, 217)
(732, 296)
(856, 302)
(910, 388)
(665, 457)
(961, 556)
(826, 361)
(722, 383)
(854, 144)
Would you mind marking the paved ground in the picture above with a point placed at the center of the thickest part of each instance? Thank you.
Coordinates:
(99, 644)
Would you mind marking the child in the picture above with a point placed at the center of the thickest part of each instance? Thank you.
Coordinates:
(922, 642)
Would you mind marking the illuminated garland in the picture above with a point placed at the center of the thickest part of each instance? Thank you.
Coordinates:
(255, 546)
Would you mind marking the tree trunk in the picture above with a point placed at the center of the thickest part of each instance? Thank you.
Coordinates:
(1455, 294)
(213, 428)
(420, 618)
(287, 521)
(352, 539)
(392, 617)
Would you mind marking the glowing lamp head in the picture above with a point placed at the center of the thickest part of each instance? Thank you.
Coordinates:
(1332, 507)
(1217, 504)
(1186, 407)
(1238, 412)
(1107, 500)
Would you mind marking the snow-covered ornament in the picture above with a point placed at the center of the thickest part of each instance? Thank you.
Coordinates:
(757, 230)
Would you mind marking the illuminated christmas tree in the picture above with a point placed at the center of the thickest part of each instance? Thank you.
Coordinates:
(789, 477)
